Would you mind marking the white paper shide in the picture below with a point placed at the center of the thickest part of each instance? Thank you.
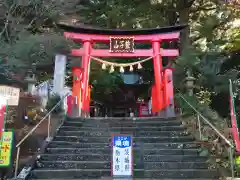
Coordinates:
(122, 156)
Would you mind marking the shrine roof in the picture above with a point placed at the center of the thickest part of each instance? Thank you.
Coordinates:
(89, 30)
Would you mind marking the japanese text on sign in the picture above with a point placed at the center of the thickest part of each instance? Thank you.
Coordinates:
(121, 44)
(6, 149)
(122, 156)
(11, 93)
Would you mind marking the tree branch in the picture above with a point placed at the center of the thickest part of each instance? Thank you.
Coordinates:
(4, 29)
(194, 10)
(6, 21)
(194, 39)
(190, 3)
(161, 8)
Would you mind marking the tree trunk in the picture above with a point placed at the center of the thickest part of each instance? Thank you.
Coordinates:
(184, 19)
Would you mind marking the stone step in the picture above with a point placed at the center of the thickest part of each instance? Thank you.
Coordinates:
(103, 173)
(109, 134)
(109, 151)
(162, 149)
(120, 129)
(110, 178)
(165, 145)
(135, 139)
(104, 157)
(175, 165)
(113, 120)
(107, 165)
(174, 158)
(123, 124)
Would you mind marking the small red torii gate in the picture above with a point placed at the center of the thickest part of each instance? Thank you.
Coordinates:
(89, 36)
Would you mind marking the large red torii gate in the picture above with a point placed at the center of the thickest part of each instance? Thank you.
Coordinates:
(89, 36)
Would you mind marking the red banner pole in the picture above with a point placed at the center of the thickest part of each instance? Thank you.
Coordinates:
(154, 102)
(89, 98)
(76, 89)
(3, 108)
(166, 89)
(234, 124)
(170, 87)
(69, 105)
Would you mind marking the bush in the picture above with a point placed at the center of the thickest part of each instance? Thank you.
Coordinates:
(52, 101)
(204, 109)
(210, 142)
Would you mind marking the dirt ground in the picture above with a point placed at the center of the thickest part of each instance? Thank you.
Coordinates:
(34, 141)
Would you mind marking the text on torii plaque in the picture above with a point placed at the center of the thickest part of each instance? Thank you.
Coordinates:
(122, 44)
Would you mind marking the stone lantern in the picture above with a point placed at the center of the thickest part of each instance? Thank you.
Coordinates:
(31, 80)
(189, 80)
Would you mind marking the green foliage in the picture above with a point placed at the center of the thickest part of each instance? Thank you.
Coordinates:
(206, 68)
(31, 37)
(186, 109)
(208, 31)
(52, 102)
(27, 15)
(234, 40)
(39, 49)
(29, 49)
(210, 75)
(204, 97)
(203, 108)
(208, 21)
(206, 56)
(118, 14)
(209, 139)
(103, 82)
(25, 37)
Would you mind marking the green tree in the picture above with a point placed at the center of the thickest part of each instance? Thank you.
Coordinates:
(28, 34)
(201, 43)
(234, 40)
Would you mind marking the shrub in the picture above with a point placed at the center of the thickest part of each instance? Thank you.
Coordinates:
(52, 101)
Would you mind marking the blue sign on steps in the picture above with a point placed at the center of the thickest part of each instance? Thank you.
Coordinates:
(122, 156)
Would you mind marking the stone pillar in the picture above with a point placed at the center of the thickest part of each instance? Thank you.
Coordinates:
(59, 74)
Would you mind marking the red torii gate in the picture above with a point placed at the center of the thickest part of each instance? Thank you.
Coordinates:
(89, 36)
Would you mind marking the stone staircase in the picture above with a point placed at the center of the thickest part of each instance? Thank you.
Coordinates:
(162, 150)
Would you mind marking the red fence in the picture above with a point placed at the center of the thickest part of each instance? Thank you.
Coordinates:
(234, 118)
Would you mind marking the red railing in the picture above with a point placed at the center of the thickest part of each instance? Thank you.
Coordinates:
(234, 118)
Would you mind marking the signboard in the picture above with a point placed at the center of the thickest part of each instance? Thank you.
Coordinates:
(122, 161)
(6, 149)
(11, 93)
(143, 110)
(122, 44)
